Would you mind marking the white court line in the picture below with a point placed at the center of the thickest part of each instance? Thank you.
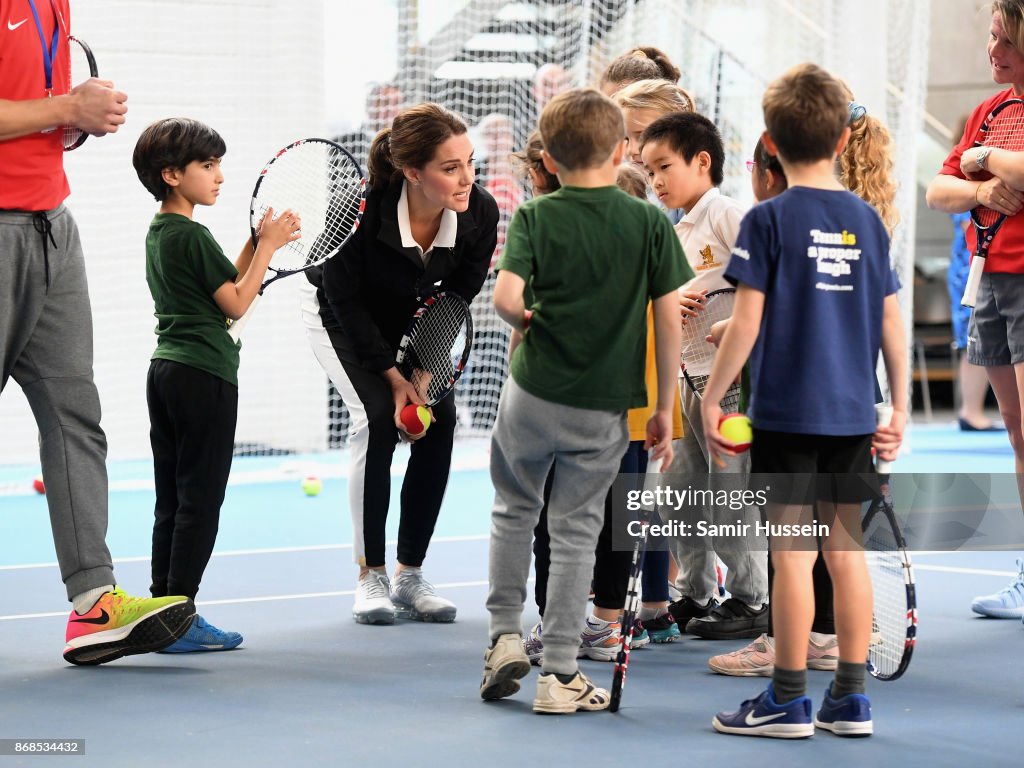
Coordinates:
(264, 551)
(970, 571)
(261, 599)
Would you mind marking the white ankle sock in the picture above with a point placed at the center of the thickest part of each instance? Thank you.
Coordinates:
(86, 600)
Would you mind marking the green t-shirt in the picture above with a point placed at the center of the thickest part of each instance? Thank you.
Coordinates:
(184, 267)
(592, 258)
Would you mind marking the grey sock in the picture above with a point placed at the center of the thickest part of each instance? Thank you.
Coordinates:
(849, 679)
(788, 684)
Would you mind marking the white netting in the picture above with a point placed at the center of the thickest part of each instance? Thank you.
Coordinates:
(253, 69)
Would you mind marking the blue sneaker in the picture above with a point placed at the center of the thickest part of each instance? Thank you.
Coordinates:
(203, 636)
(662, 629)
(1006, 604)
(849, 715)
(764, 717)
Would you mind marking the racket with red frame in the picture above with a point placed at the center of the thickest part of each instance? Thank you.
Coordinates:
(894, 619)
(324, 184)
(646, 514)
(1002, 129)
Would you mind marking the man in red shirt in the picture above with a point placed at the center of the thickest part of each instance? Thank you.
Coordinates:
(46, 326)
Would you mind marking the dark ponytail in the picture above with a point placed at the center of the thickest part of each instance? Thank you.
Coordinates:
(411, 141)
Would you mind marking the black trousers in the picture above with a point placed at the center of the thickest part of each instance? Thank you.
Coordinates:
(192, 416)
(372, 446)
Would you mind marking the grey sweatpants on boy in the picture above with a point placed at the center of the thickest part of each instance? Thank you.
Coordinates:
(585, 447)
(745, 557)
(46, 346)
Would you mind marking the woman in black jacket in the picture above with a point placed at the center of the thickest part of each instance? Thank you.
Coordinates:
(427, 227)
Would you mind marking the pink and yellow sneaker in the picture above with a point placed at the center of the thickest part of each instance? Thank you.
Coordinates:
(121, 625)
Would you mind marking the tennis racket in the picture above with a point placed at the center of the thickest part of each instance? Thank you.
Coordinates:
(633, 589)
(325, 184)
(894, 631)
(698, 354)
(435, 347)
(1002, 129)
(82, 61)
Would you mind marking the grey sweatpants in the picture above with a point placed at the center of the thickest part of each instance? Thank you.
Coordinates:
(530, 435)
(46, 346)
(745, 557)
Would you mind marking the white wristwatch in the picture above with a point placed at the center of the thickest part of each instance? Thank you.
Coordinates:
(982, 156)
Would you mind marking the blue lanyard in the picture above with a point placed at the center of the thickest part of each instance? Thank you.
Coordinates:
(48, 53)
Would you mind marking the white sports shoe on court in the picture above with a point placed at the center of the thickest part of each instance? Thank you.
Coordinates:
(415, 598)
(373, 602)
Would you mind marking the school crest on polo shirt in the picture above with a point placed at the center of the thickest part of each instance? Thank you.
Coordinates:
(707, 258)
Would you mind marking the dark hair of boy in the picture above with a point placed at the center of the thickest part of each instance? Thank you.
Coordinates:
(688, 134)
(173, 143)
(805, 112)
(581, 128)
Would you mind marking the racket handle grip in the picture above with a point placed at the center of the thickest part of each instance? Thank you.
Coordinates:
(883, 415)
(235, 331)
(970, 297)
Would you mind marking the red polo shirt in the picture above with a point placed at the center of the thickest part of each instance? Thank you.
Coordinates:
(32, 167)
(1006, 253)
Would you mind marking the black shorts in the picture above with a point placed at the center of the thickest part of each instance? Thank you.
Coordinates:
(802, 469)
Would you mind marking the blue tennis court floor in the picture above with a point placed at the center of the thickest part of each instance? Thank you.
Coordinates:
(311, 687)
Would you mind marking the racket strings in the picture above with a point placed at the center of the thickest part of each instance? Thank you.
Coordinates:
(436, 348)
(888, 581)
(1004, 130)
(325, 187)
(730, 402)
(697, 353)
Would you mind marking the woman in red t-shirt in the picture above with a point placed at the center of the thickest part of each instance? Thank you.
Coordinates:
(994, 178)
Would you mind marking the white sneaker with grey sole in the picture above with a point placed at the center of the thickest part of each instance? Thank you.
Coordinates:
(373, 602)
(415, 598)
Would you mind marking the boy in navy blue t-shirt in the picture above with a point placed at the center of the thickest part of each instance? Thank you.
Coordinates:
(816, 301)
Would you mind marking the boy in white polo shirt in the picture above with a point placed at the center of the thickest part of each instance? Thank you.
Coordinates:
(684, 157)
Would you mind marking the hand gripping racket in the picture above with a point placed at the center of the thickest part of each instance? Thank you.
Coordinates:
(894, 630)
(82, 61)
(325, 185)
(646, 513)
(1002, 129)
(433, 352)
(698, 354)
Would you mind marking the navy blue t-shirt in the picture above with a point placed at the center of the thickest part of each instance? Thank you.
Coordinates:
(821, 257)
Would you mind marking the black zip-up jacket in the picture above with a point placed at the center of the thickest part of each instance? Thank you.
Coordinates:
(369, 292)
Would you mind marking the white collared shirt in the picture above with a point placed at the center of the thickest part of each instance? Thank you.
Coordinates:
(445, 237)
(707, 233)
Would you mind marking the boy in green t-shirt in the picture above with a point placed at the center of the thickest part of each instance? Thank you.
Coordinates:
(192, 386)
(593, 257)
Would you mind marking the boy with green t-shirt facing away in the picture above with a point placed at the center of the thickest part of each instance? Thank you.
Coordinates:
(593, 257)
(192, 386)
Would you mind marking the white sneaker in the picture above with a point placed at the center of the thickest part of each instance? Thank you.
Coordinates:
(414, 598)
(373, 604)
(505, 663)
(557, 698)
(1006, 604)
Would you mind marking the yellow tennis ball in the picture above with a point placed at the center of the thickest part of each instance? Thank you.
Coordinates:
(312, 485)
(736, 428)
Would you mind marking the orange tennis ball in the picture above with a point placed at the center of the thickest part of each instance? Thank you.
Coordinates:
(415, 419)
(736, 428)
(38, 486)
